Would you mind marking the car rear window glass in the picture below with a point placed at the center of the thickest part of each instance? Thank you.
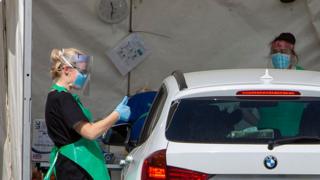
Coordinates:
(243, 120)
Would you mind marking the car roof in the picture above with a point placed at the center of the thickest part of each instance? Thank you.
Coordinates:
(251, 76)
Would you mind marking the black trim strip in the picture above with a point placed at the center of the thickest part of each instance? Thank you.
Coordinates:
(180, 79)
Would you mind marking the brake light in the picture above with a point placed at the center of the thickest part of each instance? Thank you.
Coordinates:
(268, 93)
(157, 173)
(155, 168)
(178, 173)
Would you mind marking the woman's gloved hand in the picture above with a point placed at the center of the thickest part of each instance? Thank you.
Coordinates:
(123, 110)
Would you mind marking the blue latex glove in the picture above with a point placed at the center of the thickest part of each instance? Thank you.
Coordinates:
(123, 110)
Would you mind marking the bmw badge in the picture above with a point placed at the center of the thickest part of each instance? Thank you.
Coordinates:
(270, 162)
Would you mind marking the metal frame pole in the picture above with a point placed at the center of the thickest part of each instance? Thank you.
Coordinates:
(26, 128)
(130, 31)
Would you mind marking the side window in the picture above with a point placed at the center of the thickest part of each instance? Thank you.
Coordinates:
(154, 114)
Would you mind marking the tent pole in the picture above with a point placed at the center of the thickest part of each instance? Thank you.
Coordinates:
(130, 31)
(26, 135)
(128, 90)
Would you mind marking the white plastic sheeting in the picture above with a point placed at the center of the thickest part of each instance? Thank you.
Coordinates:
(192, 35)
(13, 145)
(314, 10)
(3, 88)
(16, 125)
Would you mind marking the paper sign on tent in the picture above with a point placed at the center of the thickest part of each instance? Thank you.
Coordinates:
(129, 53)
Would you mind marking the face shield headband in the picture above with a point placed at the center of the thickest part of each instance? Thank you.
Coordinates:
(282, 47)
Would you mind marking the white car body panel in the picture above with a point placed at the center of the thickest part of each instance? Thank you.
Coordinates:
(250, 76)
(243, 159)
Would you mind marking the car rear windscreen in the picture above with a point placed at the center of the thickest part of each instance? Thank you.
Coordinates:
(243, 119)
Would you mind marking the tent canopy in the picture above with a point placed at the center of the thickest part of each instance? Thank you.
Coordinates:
(184, 35)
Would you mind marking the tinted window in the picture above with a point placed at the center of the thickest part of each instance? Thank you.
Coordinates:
(154, 114)
(245, 120)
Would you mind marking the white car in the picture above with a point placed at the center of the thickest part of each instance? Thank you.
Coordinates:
(230, 124)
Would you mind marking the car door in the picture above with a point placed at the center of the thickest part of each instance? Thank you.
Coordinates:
(133, 162)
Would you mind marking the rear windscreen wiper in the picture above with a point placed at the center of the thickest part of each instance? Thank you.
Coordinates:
(298, 139)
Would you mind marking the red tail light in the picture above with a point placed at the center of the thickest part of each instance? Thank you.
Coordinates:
(177, 173)
(268, 93)
(155, 168)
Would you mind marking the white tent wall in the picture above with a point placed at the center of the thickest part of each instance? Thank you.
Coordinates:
(214, 34)
(198, 35)
(13, 144)
(3, 91)
(16, 155)
(73, 23)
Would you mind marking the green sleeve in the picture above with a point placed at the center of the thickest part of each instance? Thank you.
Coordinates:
(299, 68)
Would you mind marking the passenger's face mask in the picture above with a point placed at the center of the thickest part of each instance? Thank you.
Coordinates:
(280, 60)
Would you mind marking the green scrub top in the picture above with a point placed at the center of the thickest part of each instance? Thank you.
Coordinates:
(299, 68)
(285, 117)
(86, 153)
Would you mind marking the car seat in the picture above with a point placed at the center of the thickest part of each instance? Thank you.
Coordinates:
(214, 123)
(310, 122)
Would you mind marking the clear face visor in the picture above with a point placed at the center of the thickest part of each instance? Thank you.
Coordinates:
(82, 63)
(281, 47)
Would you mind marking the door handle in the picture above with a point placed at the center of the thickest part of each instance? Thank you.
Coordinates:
(126, 161)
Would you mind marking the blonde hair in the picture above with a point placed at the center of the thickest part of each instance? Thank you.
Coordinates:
(57, 61)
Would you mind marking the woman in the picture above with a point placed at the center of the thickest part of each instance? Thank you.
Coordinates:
(285, 116)
(282, 52)
(76, 154)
